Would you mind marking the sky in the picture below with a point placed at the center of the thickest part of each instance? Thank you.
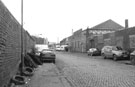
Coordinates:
(55, 19)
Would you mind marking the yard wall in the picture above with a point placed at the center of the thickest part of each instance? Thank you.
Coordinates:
(10, 45)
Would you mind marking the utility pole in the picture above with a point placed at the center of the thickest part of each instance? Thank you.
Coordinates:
(22, 44)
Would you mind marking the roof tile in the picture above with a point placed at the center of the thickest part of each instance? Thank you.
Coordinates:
(109, 24)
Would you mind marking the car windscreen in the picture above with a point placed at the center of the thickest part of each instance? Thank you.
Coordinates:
(119, 48)
(92, 49)
(116, 48)
(46, 50)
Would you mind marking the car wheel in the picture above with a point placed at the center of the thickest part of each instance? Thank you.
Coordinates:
(132, 61)
(115, 58)
(103, 55)
(91, 54)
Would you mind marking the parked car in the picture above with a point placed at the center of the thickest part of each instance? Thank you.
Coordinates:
(47, 55)
(114, 52)
(39, 48)
(58, 48)
(94, 52)
(132, 57)
(62, 48)
(37, 53)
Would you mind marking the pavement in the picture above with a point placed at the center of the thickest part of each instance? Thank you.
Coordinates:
(47, 75)
(77, 70)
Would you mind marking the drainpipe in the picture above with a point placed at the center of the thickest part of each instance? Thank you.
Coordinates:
(87, 35)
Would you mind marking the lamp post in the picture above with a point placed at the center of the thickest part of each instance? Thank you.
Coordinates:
(22, 44)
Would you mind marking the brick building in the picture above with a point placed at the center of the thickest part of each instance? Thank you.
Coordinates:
(97, 36)
(82, 40)
(123, 38)
(108, 26)
(63, 42)
(77, 42)
(39, 40)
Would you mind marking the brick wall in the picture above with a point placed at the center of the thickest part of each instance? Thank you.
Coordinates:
(10, 45)
(76, 41)
(29, 42)
(124, 38)
(39, 40)
(127, 33)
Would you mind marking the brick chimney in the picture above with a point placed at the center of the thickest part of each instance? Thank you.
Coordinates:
(126, 23)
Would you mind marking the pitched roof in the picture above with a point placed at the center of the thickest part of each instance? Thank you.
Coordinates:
(109, 24)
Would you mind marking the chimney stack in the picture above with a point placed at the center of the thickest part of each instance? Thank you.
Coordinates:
(126, 23)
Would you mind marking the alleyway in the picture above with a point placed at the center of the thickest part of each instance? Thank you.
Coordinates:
(81, 70)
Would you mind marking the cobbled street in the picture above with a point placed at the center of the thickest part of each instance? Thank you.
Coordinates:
(81, 70)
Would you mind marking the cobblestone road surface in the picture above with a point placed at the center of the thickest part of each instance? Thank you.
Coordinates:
(83, 71)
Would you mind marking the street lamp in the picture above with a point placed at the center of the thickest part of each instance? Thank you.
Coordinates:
(22, 45)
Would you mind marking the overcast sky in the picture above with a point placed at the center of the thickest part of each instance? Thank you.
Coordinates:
(56, 18)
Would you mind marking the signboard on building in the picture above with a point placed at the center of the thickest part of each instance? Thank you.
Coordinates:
(119, 41)
(132, 41)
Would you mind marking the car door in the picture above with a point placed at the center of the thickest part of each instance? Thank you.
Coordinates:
(108, 51)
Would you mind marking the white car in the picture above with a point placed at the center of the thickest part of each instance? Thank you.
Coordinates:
(58, 48)
(114, 52)
(62, 48)
(39, 48)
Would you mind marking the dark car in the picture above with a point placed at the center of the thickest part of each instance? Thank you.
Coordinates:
(94, 52)
(47, 55)
(132, 57)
